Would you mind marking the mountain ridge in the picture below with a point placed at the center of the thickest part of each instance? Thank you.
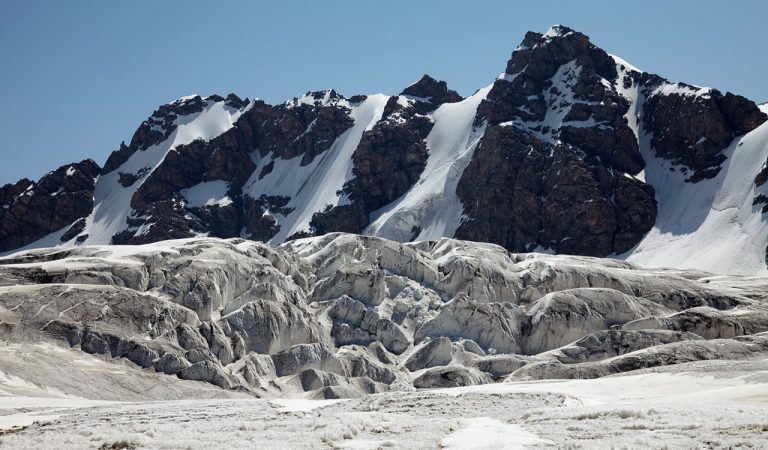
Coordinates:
(552, 156)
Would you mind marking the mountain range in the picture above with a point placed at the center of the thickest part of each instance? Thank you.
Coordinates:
(570, 150)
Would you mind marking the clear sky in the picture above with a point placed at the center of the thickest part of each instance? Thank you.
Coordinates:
(77, 77)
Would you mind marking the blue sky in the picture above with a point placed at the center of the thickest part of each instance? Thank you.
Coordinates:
(77, 77)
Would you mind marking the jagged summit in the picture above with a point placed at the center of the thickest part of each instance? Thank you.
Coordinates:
(539, 55)
(533, 38)
(571, 150)
(559, 31)
(325, 97)
(430, 89)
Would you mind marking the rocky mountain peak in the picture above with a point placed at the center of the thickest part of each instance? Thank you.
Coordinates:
(428, 88)
(559, 31)
(231, 100)
(540, 55)
(562, 88)
(183, 106)
(327, 97)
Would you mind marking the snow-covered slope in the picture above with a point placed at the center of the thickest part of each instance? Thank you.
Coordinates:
(432, 204)
(113, 200)
(315, 186)
(713, 224)
(570, 150)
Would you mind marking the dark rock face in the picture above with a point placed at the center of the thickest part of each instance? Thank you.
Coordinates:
(692, 126)
(762, 176)
(160, 198)
(74, 230)
(561, 88)
(554, 154)
(390, 157)
(562, 46)
(31, 210)
(388, 161)
(299, 128)
(742, 114)
(432, 92)
(536, 194)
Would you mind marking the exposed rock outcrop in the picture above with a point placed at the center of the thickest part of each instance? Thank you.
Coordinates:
(535, 195)
(31, 210)
(691, 126)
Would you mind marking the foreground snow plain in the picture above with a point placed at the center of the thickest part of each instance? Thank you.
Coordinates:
(706, 404)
